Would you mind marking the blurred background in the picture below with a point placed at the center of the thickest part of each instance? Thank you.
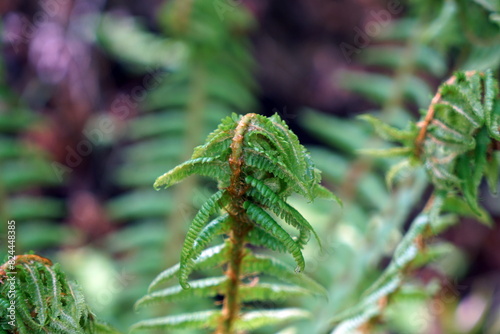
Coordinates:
(98, 98)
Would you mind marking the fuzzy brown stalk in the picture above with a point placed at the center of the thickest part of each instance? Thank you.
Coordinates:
(430, 114)
(240, 226)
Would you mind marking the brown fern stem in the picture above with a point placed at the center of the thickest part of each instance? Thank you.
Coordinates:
(430, 114)
(240, 226)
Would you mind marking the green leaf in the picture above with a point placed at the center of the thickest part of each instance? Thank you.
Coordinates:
(270, 266)
(265, 162)
(260, 237)
(199, 320)
(211, 167)
(209, 257)
(386, 131)
(261, 318)
(193, 247)
(207, 287)
(491, 172)
(269, 199)
(271, 292)
(263, 219)
(457, 205)
(389, 152)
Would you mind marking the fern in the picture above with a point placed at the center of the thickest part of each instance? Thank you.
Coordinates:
(189, 85)
(25, 168)
(397, 75)
(243, 205)
(455, 143)
(455, 139)
(36, 297)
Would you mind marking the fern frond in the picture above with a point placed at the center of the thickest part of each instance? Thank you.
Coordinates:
(260, 237)
(270, 292)
(388, 132)
(210, 207)
(263, 161)
(261, 318)
(263, 164)
(208, 287)
(206, 166)
(270, 266)
(267, 223)
(45, 301)
(199, 320)
(209, 257)
(217, 226)
(269, 199)
(455, 134)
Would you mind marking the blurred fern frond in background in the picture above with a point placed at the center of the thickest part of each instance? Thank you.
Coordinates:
(26, 177)
(454, 143)
(397, 75)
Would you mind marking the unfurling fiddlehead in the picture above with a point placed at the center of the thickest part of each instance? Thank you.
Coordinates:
(258, 162)
(36, 298)
(456, 143)
(456, 139)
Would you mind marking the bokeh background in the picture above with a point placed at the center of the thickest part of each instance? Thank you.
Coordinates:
(98, 98)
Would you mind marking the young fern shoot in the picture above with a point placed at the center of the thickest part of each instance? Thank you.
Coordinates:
(456, 139)
(37, 298)
(456, 142)
(258, 162)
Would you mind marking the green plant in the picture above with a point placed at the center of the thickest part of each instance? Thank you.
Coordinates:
(193, 86)
(456, 142)
(258, 162)
(37, 297)
(198, 86)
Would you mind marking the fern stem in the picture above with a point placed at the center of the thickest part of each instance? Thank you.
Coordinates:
(430, 114)
(231, 305)
(240, 226)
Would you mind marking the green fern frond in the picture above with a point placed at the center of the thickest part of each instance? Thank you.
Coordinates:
(207, 166)
(45, 301)
(257, 319)
(209, 257)
(199, 320)
(260, 237)
(267, 265)
(209, 208)
(263, 194)
(455, 136)
(263, 163)
(208, 287)
(217, 226)
(266, 222)
(270, 292)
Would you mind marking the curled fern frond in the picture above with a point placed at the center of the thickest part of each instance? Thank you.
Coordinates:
(455, 139)
(258, 162)
(43, 300)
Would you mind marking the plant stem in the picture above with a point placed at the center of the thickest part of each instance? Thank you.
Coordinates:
(231, 306)
(240, 226)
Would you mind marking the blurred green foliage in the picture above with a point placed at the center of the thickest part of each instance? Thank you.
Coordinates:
(196, 66)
